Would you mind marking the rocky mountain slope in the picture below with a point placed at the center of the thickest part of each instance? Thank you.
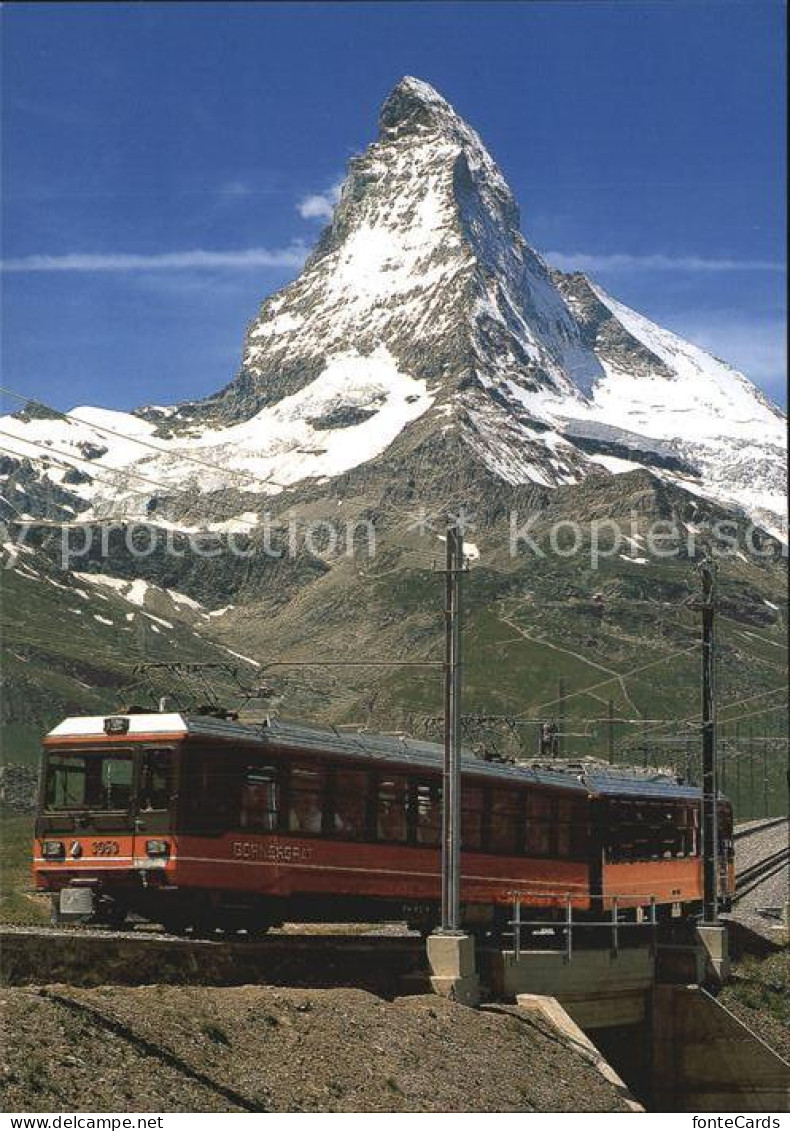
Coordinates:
(427, 358)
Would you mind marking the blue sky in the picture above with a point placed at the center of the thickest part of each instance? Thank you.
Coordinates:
(165, 165)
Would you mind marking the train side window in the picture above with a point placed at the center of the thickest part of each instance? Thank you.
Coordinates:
(580, 830)
(505, 833)
(670, 837)
(572, 830)
(538, 831)
(392, 803)
(307, 794)
(427, 810)
(642, 833)
(725, 831)
(349, 808)
(471, 818)
(210, 790)
(260, 798)
(685, 831)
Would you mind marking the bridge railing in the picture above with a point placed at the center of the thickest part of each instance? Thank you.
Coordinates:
(614, 925)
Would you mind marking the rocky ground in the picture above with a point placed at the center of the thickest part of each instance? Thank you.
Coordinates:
(255, 1048)
(18, 787)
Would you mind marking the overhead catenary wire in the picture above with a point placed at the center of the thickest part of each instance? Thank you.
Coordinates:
(753, 714)
(410, 519)
(102, 428)
(749, 699)
(691, 719)
(603, 683)
(693, 722)
(99, 472)
(47, 449)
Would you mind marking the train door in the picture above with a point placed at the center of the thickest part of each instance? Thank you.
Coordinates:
(153, 823)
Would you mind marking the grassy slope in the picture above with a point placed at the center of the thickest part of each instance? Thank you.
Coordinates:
(61, 656)
(625, 630)
(529, 622)
(760, 996)
(17, 905)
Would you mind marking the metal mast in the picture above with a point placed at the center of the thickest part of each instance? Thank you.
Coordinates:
(451, 776)
(710, 845)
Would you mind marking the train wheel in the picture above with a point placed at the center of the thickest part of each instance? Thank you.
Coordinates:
(258, 931)
(112, 915)
(424, 927)
(175, 924)
(205, 929)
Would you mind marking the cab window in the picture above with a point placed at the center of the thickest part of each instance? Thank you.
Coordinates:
(93, 780)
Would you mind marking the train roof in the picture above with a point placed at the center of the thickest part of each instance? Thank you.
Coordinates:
(597, 778)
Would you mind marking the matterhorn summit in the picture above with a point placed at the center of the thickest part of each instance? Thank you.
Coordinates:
(423, 311)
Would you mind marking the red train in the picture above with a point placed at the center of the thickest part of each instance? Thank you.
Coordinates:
(205, 824)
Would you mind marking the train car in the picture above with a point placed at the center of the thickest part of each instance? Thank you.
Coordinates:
(205, 824)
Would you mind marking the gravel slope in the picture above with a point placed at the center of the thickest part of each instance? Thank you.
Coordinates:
(772, 892)
(264, 1049)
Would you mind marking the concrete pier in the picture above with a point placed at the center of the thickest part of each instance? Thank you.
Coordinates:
(453, 971)
(713, 954)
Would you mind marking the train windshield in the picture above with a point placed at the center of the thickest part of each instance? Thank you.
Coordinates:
(94, 780)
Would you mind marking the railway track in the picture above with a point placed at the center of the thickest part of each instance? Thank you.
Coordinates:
(755, 827)
(762, 855)
(89, 957)
(756, 874)
(378, 957)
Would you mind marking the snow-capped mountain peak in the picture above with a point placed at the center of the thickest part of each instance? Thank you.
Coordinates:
(423, 306)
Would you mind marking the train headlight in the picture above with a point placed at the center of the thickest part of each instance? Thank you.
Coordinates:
(157, 848)
(53, 849)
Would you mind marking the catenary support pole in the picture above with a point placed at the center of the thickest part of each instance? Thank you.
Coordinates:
(451, 778)
(561, 716)
(710, 853)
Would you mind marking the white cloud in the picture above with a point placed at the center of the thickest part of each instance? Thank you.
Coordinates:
(234, 190)
(197, 260)
(320, 205)
(581, 261)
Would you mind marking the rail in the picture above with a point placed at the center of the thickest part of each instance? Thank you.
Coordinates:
(758, 827)
(756, 874)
